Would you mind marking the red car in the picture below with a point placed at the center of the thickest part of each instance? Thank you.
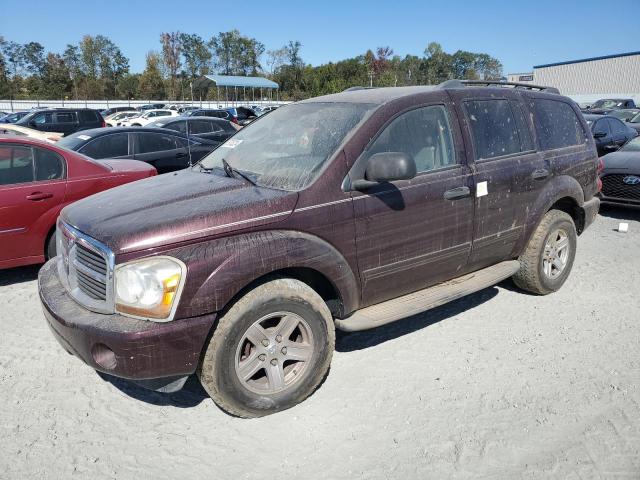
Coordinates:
(37, 180)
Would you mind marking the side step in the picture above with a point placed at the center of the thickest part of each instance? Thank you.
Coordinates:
(416, 302)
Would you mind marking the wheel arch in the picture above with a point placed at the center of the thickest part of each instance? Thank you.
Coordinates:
(224, 269)
(562, 193)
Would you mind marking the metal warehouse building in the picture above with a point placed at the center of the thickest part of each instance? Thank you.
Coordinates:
(613, 76)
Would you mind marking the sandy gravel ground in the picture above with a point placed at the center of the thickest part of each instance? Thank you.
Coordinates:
(498, 385)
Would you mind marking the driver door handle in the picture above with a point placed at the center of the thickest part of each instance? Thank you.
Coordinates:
(457, 193)
(35, 196)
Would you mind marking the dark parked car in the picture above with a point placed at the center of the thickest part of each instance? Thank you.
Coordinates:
(211, 112)
(150, 106)
(634, 123)
(13, 117)
(351, 210)
(63, 120)
(214, 129)
(112, 110)
(625, 115)
(166, 150)
(37, 180)
(609, 132)
(606, 105)
(621, 175)
(243, 115)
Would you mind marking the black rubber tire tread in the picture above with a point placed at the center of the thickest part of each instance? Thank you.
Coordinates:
(530, 276)
(210, 369)
(51, 248)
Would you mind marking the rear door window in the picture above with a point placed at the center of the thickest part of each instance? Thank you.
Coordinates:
(65, 117)
(107, 146)
(494, 129)
(16, 164)
(557, 124)
(200, 126)
(49, 165)
(180, 126)
(155, 142)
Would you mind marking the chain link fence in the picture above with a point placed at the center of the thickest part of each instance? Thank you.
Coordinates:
(22, 105)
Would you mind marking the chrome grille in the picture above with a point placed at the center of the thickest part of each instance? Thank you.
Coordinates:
(85, 267)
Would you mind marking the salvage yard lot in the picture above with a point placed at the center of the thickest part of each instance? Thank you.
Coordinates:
(499, 384)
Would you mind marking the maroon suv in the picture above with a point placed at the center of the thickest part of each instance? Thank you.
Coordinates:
(350, 210)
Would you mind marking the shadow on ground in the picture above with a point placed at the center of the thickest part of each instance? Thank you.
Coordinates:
(19, 275)
(191, 395)
(620, 213)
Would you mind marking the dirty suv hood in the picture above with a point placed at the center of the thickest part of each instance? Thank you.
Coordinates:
(176, 207)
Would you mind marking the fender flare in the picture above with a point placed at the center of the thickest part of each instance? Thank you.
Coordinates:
(219, 269)
(562, 186)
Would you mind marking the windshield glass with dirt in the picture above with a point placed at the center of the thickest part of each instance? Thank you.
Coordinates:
(287, 148)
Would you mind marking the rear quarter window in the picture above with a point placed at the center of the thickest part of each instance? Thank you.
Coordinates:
(557, 124)
(88, 116)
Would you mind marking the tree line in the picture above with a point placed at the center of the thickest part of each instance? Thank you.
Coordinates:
(96, 68)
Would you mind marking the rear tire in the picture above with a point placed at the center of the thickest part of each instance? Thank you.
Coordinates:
(270, 350)
(548, 258)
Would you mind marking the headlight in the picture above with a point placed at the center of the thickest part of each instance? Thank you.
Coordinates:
(149, 288)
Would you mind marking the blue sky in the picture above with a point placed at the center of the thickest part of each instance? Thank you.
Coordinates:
(519, 33)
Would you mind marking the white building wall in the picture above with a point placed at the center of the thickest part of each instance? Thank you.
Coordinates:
(594, 79)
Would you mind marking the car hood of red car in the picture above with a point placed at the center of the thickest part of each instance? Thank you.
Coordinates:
(176, 207)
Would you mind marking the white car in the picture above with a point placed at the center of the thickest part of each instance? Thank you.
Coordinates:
(148, 117)
(10, 129)
(115, 119)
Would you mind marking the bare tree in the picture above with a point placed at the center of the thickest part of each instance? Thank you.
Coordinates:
(171, 51)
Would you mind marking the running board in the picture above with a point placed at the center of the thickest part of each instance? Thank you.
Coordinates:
(402, 307)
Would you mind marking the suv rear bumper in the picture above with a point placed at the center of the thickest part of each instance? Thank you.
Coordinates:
(124, 347)
(591, 209)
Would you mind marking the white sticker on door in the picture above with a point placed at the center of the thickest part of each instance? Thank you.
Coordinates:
(481, 189)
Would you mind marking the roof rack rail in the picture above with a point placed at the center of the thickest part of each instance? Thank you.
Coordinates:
(498, 83)
(358, 87)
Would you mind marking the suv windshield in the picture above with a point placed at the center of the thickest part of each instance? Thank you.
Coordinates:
(287, 148)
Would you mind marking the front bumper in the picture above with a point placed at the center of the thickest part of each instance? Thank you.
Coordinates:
(125, 347)
(621, 202)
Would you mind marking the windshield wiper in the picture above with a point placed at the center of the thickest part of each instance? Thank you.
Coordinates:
(230, 171)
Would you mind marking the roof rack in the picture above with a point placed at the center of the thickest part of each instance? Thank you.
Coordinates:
(497, 83)
(357, 87)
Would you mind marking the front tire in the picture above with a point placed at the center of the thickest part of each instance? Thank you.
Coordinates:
(270, 350)
(548, 258)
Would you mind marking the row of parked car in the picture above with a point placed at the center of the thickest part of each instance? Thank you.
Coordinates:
(615, 125)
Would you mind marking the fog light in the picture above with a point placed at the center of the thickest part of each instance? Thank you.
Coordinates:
(104, 356)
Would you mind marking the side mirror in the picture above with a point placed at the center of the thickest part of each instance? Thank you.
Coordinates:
(387, 167)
